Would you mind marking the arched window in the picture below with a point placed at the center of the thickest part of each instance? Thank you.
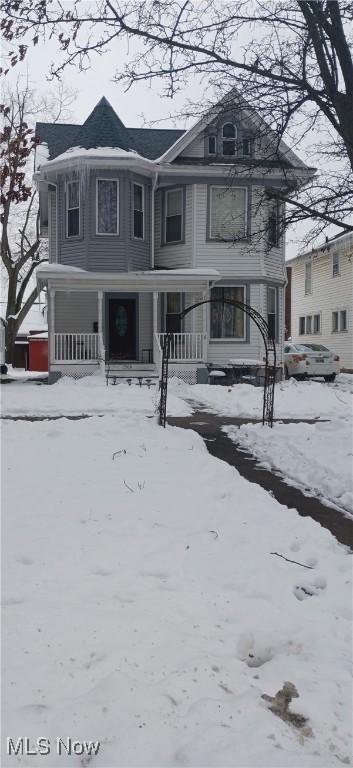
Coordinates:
(229, 136)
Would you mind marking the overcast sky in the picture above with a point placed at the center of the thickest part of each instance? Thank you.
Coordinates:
(141, 101)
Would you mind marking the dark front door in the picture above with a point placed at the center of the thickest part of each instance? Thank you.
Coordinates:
(122, 329)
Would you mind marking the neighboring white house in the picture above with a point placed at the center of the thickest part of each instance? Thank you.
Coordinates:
(322, 297)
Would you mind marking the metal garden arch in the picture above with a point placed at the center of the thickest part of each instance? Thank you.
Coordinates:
(270, 365)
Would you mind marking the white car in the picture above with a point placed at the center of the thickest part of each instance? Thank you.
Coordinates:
(303, 361)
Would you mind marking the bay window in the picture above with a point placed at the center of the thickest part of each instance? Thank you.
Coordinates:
(138, 214)
(107, 205)
(227, 322)
(73, 208)
(228, 213)
(173, 225)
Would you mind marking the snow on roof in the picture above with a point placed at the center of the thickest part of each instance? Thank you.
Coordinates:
(78, 153)
(57, 269)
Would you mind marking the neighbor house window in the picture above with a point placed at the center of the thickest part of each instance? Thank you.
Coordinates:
(273, 223)
(73, 208)
(227, 322)
(272, 311)
(308, 277)
(228, 213)
(343, 320)
(212, 145)
(335, 325)
(107, 200)
(174, 216)
(139, 204)
(301, 326)
(308, 326)
(335, 265)
(229, 136)
(317, 323)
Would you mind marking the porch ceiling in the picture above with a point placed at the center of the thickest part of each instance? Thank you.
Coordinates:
(58, 277)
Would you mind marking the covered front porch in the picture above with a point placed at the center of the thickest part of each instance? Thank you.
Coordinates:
(120, 321)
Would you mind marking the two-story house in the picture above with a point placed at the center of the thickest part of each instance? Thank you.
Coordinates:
(322, 297)
(144, 222)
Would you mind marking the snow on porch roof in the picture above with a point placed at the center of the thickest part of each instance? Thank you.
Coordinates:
(151, 279)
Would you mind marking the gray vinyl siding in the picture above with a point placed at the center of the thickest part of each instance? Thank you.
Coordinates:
(196, 148)
(105, 253)
(174, 255)
(52, 225)
(75, 311)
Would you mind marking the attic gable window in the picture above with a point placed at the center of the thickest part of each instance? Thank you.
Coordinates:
(73, 209)
(247, 147)
(229, 136)
(228, 213)
(107, 206)
(212, 145)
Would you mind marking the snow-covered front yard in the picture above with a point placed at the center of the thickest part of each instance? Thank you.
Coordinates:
(142, 604)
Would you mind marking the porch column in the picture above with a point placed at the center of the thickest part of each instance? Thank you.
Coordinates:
(101, 349)
(154, 326)
(205, 316)
(51, 325)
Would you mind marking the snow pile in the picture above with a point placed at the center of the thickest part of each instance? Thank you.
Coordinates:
(316, 457)
(89, 395)
(143, 606)
(293, 399)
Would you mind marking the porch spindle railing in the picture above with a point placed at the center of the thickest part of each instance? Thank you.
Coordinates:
(184, 346)
(75, 347)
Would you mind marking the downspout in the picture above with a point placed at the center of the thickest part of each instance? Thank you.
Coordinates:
(154, 184)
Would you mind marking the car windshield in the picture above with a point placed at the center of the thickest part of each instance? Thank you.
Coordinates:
(316, 347)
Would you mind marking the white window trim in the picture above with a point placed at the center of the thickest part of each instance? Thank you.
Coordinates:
(308, 293)
(339, 265)
(228, 239)
(136, 184)
(319, 315)
(108, 234)
(339, 329)
(230, 138)
(228, 339)
(72, 181)
(167, 192)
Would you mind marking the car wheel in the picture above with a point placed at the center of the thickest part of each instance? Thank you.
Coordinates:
(331, 377)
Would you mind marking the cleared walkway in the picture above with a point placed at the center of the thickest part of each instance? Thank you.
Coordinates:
(209, 426)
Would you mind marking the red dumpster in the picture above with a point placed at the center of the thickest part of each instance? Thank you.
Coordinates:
(38, 352)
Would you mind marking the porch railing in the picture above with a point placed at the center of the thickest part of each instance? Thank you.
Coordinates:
(73, 347)
(184, 346)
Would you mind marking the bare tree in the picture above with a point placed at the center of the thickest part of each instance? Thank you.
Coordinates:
(290, 60)
(21, 247)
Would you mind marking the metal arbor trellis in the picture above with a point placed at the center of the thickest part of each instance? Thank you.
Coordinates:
(270, 365)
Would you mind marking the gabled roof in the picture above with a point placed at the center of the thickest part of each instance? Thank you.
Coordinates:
(103, 128)
(341, 243)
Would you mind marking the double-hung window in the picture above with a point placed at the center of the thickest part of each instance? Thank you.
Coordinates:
(335, 264)
(307, 278)
(227, 321)
(229, 138)
(173, 323)
(308, 327)
(73, 208)
(317, 324)
(212, 145)
(139, 205)
(247, 147)
(272, 311)
(343, 320)
(228, 213)
(273, 223)
(301, 326)
(339, 320)
(173, 225)
(107, 202)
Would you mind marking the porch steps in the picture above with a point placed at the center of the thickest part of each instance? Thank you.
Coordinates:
(133, 373)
